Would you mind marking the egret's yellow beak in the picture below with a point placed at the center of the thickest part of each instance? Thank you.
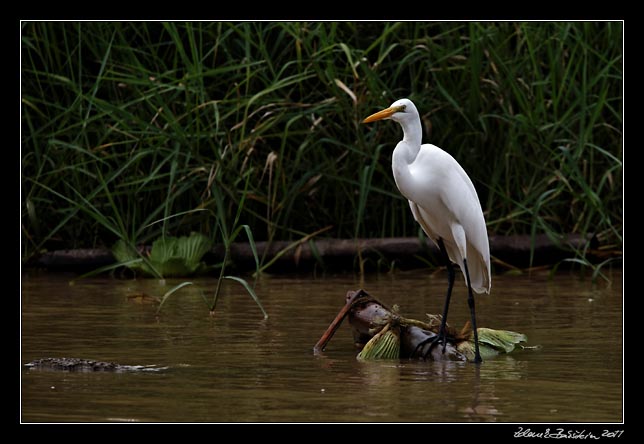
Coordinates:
(385, 113)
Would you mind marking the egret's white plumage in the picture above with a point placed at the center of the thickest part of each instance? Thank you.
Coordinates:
(441, 196)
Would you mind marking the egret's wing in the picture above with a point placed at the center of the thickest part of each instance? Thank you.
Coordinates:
(428, 231)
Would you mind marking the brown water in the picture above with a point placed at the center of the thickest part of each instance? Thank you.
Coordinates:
(237, 367)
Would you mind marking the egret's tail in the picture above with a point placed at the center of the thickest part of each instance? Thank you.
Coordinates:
(479, 274)
(478, 266)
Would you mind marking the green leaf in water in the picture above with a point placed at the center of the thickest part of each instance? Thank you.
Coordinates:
(384, 345)
(169, 256)
(492, 342)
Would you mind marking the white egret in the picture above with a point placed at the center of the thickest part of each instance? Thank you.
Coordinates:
(444, 202)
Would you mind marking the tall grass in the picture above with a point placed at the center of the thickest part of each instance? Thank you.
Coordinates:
(125, 124)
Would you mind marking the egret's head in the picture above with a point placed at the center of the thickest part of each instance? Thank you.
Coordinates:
(398, 111)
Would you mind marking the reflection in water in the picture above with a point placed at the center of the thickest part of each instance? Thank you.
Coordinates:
(382, 380)
(237, 367)
(484, 398)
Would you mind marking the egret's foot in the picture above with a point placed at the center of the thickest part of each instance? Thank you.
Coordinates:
(433, 342)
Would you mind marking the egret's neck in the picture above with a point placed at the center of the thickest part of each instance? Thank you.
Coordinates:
(412, 138)
(405, 154)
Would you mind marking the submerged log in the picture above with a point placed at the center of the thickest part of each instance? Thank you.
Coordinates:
(380, 332)
(404, 252)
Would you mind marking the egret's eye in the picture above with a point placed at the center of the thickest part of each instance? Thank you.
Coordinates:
(401, 108)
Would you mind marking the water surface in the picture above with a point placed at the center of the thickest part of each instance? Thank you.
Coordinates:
(238, 367)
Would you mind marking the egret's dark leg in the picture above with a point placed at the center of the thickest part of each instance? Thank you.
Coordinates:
(442, 333)
(470, 303)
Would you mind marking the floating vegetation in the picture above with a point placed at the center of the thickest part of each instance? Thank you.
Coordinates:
(168, 257)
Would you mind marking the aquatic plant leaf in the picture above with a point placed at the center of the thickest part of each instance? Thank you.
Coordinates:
(500, 339)
(128, 257)
(169, 256)
(192, 249)
(384, 345)
(163, 249)
(492, 342)
(174, 267)
(123, 253)
(467, 349)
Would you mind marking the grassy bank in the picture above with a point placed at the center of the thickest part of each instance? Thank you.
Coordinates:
(134, 130)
